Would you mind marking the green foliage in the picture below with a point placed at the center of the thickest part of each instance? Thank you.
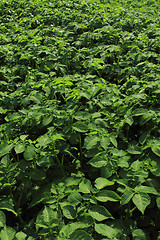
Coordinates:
(79, 120)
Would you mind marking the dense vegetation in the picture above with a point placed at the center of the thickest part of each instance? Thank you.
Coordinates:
(79, 120)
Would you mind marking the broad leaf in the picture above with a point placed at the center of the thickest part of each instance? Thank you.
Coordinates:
(7, 233)
(74, 198)
(102, 182)
(80, 235)
(7, 204)
(5, 149)
(146, 189)
(99, 213)
(85, 186)
(107, 195)
(98, 161)
(105, 142)
(105, 230)
(127, 195)
(90, 141)
(19, 148)
(29, 153)
(80, 127)
(156, 149)
(21, 236)
(141, 200)
(134, 149)
(138, 234)
(45, 218)
(2, 219)
(69, 212)
(158, 201)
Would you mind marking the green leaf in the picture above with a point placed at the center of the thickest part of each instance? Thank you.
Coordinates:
(37, 174)
(7, 233)
(98, 161)
(136, 165)
(80, 235)
(146, 189)
(127, 195)
(5, 149)
(158, 201)
(74, 198)
(114, 141)
(19, 148)
(156, 149)
(2, 219)
(21, 236)
(107, 195)
(7, 204)
(105, 230)
(85, 186)
(47, 120)
(105, 141)
(68, 229)
(138, 234)
(43, 141)
(141, 200)
(80, 127)
(45, 218)
(99, 213)
(134, 149)
(29, 153)
(69, 212)
(144, 137)
(102, 182)
(90, 141)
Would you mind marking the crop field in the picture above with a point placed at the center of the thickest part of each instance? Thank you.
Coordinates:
(79, 120)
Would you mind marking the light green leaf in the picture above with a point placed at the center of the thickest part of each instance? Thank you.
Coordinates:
(102, 182)
(7, 204)
(30, 238)
(2, 219)
(144, 137)
(141, 200)
(114, 141)
(47, 120)
(107, 195)
(136, 165)
(19, 148)
(158, 201)
(23, 137)
(43, 140)
(99, 213)
(138, 234)
(7, 233)
(85, 186)
(156, 149)
(69, 212)
(134, 149)
(29, 153)
(68, 229)
(5, 149)
(105, 230)
(21, 236)
(90, 141)
(45, 218)
(146, 189)
(98, 161)
(80, 235)
(105, 141)
(74, 198)
(80, 127)
(127, 195)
